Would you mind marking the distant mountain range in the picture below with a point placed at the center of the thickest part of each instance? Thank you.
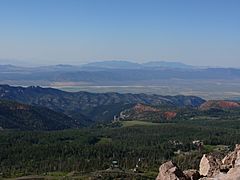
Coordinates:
(131, 65)
(82, 108)
(115, 64)
(112, 65)
(164, 78)
(110, 72)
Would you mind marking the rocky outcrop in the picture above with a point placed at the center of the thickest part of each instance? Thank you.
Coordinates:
(143, 112)
(232, 174)
(232, 159)
(229, 167)
(170, 171)
(168, 115)
(144, 108)
(192, 174)
(210, 168)
(219, 105)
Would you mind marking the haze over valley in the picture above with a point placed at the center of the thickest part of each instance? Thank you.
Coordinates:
(163, 78)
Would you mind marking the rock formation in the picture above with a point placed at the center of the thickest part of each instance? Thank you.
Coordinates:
(233, 158)
(210, 168)
(217, 104)
(169, 115)
(192, 174)
(144, 108)
(170, 171)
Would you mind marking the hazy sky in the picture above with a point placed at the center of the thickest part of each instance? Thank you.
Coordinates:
(198, 32)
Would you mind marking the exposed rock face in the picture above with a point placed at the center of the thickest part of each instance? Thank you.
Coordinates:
(233, 174)
(232, 159)
(209, 166)
(170, 171)
(169, 115)
(147, 113)
(192, 174)
(144, 108)
(219, 105)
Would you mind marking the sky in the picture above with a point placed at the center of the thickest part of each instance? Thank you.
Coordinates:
(196, 32)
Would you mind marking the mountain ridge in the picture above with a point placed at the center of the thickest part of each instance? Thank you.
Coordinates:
(90, 106)
(14, 115)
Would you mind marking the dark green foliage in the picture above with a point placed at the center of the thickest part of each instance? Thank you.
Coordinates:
(25, 117)
(94, 149)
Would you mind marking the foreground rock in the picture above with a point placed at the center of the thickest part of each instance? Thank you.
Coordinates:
(170, 171)
(192, 174)
(232, 174)
(211, 168)
(233, 158)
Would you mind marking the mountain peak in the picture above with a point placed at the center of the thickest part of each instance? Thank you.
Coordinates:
(117, 64)
(166, 64)
(121, 64)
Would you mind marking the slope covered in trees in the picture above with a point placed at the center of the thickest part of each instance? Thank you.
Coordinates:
(92, 149)
(14, 115)
(84, 106)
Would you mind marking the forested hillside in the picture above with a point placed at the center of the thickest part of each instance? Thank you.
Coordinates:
(18, 116)
(89, 150)
(84, 106)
